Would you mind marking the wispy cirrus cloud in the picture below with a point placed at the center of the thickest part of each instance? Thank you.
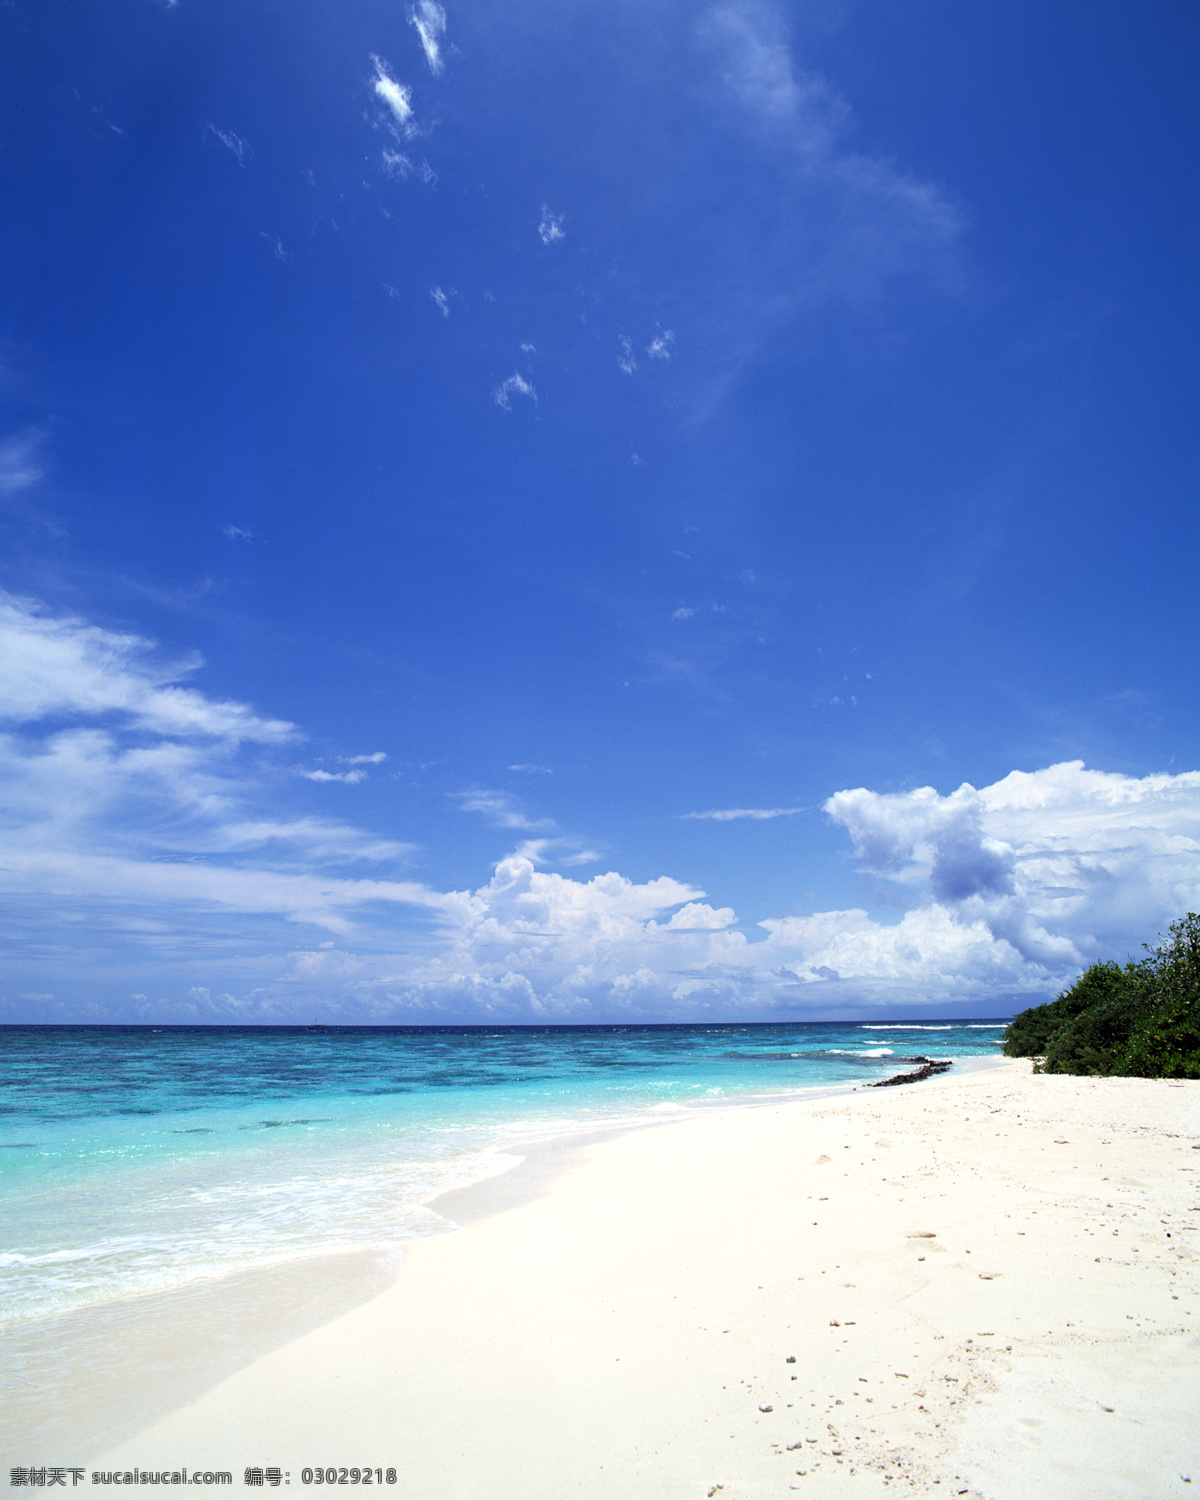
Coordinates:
(397, 96)
(881, 220)
(429, 19)
(278, 249)
(515, 385)
(233, 143)
(732, 814)
(500, 809)
(550, 226)
(397, 165)
(57, 665)
(135, 798)
(814, 218)
(21, 463)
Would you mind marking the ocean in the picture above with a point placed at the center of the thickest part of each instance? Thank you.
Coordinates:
(140, 1160)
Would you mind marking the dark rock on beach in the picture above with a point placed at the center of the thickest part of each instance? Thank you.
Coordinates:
(929, 1067)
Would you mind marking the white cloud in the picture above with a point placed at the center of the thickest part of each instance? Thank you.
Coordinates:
(818, 218)
(55, 666)
(541, 945)
(626, 359)
(515, 385)
(730, 814)
(1058, 866)
(500, 809)
(396, 164)
(237, 533)
(395, 95)
(756, 65)
(684, 612)
(181, 893)
(550, 226)
(538, 770)
(232, 142)
(443, 302)
(127, 802)
(143, 820)
(430, 21)
(20, 461)
(277, 246)
(661, 346)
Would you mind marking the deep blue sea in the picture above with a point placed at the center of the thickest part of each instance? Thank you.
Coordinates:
(138, 1159)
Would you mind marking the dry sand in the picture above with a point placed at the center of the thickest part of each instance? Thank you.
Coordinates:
(988, 1284)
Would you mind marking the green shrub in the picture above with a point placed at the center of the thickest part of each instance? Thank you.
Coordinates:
(1028, 1034)
(1166, 1042)
(1095, 1040)
(1142, 1020)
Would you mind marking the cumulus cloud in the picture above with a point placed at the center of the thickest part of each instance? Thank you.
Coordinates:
(430, 21)
(515, 385)
(442, 301)
(396, 96)
(145, 819)
(661, 346)
(541, 945)
(1057, 867)
(550, 226)
(626, 359)
(731, 814)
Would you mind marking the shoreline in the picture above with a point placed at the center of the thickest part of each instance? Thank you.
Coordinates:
(97, 1394)
(606, 1312)
(542, 1158)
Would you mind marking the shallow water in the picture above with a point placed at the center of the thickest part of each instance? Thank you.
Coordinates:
(137, 1160)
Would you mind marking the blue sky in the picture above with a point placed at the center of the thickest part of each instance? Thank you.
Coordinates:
(590, 512)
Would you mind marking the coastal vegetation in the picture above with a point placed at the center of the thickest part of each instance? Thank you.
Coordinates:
(1138, 1020)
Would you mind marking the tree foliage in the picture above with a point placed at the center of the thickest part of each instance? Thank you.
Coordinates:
(1140, 1020)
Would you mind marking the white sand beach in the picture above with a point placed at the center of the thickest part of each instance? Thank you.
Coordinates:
(985, 1284)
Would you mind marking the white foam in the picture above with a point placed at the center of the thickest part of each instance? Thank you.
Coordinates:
(236, 1225)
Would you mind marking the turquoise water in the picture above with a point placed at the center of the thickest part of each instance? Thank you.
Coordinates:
(136, 1159)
